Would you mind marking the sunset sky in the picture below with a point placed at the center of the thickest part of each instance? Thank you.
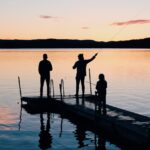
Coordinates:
(101, 20)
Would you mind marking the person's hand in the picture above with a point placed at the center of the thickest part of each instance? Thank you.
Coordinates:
(95, 54)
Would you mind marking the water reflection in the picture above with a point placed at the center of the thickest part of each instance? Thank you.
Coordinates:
(82, 138)
(61, 127)
(100, 142)
(45, 136)
(86, 136)
(79, 100)
(7, 119)
(20, 119)
(129, 85)
(80, 135)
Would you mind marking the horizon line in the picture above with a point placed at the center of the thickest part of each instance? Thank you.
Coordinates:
(73, 39)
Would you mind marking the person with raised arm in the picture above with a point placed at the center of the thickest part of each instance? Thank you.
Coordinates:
(80, 65)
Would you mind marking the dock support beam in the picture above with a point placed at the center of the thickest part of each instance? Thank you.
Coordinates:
(52, 87)
(19, 87)
(62, 89)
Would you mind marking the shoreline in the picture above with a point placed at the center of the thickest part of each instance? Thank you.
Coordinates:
(69, 43)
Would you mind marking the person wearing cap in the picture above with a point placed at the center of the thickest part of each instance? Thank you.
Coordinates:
(80, 65)
(44, 68)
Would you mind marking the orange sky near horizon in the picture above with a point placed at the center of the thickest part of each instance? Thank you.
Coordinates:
(101, 20)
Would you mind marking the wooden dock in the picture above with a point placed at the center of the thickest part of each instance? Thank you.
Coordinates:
(123, 125)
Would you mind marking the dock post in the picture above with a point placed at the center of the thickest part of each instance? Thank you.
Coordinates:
(63, 87)
(20, 88)
(52, 87)
(90, 81)
(60, 88)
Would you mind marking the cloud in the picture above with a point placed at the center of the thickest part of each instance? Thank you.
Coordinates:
(85, 28)
(130, 22)
(47, 17)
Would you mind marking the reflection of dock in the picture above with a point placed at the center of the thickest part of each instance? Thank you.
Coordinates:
(122, 124)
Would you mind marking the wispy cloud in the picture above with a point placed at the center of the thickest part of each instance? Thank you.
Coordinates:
(47, 17)
(85, 28)
(131, 22)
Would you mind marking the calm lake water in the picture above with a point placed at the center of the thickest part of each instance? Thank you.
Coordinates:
(126, 71)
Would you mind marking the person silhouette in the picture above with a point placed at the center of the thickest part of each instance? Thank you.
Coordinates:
(45, 140)
(45, 67)
(101, 87)
(80, 65)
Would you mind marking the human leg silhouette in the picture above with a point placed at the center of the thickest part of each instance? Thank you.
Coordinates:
(104, 105)
(77, 86)
(41, 86)
(83, 86)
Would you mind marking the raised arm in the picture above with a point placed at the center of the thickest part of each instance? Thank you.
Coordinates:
(89, 60)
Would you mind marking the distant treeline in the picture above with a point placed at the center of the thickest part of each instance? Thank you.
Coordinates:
(65, 43)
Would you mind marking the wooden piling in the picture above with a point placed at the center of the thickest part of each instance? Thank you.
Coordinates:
(52, 87)
(60, 88)
(19, 87)
(63, 87)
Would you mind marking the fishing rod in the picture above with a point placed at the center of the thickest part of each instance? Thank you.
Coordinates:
(91, 83)
(125, 26)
